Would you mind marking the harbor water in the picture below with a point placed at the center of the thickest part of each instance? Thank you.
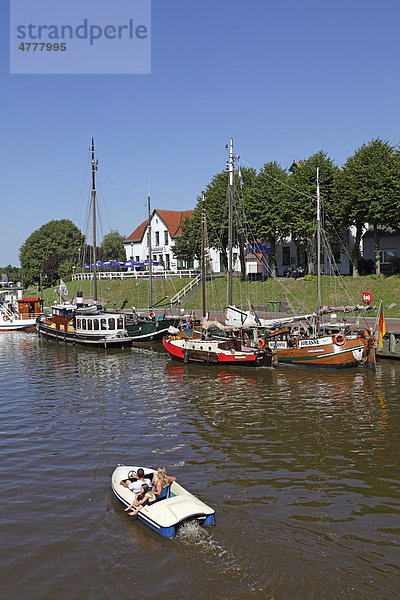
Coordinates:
(301, 466)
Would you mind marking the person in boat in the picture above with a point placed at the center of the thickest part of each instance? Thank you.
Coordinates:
(161, 480)
(141, 499)
(135, 481)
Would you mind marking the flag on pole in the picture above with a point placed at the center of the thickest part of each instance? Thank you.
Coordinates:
(240, 177)
(63, 288)
(382, 328)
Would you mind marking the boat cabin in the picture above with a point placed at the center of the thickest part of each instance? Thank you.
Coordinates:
(104, 323)
(63, 317)
(29, 308)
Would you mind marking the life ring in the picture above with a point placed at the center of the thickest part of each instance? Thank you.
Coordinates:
(6, 318)
(261, 343)
(339, 339)
(151, 315)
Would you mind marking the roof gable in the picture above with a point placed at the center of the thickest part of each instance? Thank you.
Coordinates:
(172, 219)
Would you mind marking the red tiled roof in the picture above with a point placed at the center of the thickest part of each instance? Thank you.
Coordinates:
(172, 218)
(137, 235)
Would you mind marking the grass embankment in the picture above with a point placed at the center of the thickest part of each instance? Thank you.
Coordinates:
(122, 293)
(299, 294)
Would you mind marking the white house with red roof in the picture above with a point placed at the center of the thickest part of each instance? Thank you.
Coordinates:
(166, 226)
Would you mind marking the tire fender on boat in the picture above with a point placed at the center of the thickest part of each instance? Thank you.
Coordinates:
(261, 343)
(339, 339)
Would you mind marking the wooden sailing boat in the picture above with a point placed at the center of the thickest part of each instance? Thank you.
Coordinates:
(210, 349)
(79, 323)
(335, 346)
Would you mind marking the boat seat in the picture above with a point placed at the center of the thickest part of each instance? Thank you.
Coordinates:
(165, 493)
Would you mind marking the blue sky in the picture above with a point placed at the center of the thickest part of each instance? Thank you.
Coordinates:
(283, 79)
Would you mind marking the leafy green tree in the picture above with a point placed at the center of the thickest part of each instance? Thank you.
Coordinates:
(112, 246)
(370, 189)
(188, 245)
(53, 269)
(302, 199)
(55, 238)
(266, 208)
(13, 273)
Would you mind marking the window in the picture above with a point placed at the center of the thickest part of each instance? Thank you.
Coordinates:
(79, 324)
(111, 323)
(286, 255)
(388, 255)
(90, 325)
(83, 323)
(120, 323)
(96, 324)
(137, 259)
(157, 238)
(160, 258)
(103, 324)
(165, 238)
(167, 261)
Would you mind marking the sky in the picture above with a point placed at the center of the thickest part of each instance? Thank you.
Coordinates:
(284, 79)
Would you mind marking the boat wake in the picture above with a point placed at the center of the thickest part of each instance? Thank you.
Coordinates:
(193, 534)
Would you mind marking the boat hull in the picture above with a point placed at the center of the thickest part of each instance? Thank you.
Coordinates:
(352, 353)
(208, 352)
(18, 325)
(149, 330)
(164, 516)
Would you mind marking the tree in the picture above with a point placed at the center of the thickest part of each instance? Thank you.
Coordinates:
(266, 208)
(302, 198)
(13, 273)
(52, 239)
(112, 247)
(370, 190)
(188, 245)
(53, 267)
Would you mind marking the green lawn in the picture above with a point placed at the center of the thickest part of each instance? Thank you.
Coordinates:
(300, 294)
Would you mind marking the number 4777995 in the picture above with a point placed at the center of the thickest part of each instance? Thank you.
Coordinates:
(42, 47)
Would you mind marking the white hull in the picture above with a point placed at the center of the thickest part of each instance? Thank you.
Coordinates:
(164, 515)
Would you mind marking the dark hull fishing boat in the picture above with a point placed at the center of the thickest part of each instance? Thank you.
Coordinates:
(149, 329)
(83, 324)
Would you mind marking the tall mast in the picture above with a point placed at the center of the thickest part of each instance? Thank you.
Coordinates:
(150, 255)
(318, 254)
(203, 255)
(230, 226)
(93, 197)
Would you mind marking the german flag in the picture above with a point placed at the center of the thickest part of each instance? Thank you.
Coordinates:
(382, 328)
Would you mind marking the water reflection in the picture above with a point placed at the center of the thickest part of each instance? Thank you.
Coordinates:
(301, 466)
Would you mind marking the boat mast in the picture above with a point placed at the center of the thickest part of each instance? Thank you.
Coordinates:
(93, 197)
(230, 226)
(203, 255)
(318, 255)
(150, 253)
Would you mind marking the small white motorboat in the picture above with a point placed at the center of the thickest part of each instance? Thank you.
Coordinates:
(174, 507)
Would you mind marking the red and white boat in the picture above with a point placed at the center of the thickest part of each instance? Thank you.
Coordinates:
(216, 351)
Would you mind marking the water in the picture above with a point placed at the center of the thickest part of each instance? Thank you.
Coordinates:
(301, 466)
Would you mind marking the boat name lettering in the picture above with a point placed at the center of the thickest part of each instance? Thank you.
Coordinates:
(278, 344)
(320, 342)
